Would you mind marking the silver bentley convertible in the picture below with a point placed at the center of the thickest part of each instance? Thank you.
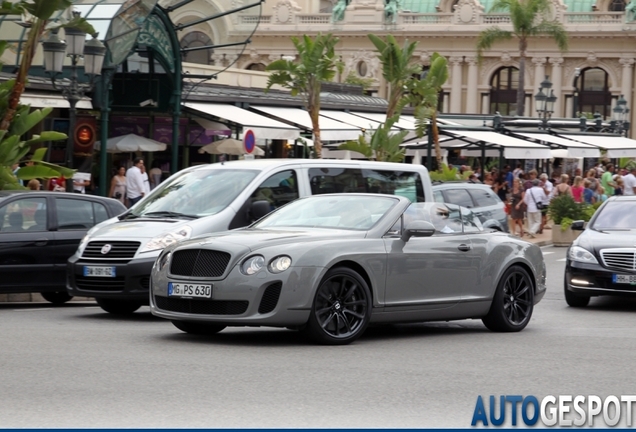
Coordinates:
(329, 265)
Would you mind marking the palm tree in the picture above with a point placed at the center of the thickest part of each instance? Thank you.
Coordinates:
(528, 19)
(397, 69)
(317, 63)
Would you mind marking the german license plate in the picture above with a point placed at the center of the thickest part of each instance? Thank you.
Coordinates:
(624, 279)
(95, 271)
(189, 290)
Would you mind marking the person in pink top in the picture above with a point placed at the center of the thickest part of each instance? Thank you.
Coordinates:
(577, 189)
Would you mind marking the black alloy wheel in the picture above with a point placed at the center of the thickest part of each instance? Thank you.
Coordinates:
(342, 308)
(513, 302)
(118, 307)
(57, 297)
(198, 328)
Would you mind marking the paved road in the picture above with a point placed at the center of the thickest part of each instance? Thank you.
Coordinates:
(75, 366)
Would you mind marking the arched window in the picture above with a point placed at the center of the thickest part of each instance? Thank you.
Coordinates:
(256, 67)
(194, 40)
(616, 6)
(503, 91)
(594, 96)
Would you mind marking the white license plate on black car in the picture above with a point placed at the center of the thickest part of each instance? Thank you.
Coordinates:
(189, 290)
(98, 271)
(624, 279)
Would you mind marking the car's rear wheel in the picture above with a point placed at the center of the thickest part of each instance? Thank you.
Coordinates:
(198, 328)
(118, 307)
(513, 302)
(57, 297)
(341, 309)
(574, 300)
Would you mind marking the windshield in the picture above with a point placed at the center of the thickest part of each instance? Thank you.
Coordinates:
(340, 212)
(198, 193)
(616, 215)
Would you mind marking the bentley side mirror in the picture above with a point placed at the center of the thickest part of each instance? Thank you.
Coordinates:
(418, 229)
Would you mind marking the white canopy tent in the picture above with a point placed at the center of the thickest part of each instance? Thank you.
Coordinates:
(513, 148)
(617, 147)
(131, 143)
(330, 129)
(263, 127)
(402, 123)
(573, 149)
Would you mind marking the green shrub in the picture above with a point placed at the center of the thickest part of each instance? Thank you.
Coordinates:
(563, 210)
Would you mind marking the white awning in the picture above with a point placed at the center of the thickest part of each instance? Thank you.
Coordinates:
(514, 148)
(617, 147)
(330, 130)
(43, 100)
(574, 149)
(263, 127)
(402, 123)
(350, 119)
(341, 154)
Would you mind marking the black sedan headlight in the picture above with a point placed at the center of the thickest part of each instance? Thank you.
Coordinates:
(579, 254)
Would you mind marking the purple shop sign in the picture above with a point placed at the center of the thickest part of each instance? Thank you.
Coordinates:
(163, 133)
(124, 125)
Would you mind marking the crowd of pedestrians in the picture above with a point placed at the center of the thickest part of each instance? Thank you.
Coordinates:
(527, 195)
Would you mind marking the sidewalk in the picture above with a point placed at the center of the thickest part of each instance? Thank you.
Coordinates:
(544, 239)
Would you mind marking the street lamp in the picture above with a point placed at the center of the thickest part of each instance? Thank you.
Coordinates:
(620, 116)
(545, 100)
(575, 98)
(54, 51)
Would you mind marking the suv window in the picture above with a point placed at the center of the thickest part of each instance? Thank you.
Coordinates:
(78, 214)
(278, 189)
(337, 180)
(26, 214)
(459, 197)
(484, 198)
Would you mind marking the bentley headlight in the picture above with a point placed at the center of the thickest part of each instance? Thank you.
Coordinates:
(165, 240)
(578, 254)
(279, 264)
(252, 265)
(164, 260)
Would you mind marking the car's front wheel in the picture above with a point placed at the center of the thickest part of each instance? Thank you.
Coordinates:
(118, 307)
(341, 310)
(198, 328)
(513, 302)
(57, 297)
(575, 300)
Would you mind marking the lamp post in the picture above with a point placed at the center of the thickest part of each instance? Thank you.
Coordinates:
(575, 98)
(54, 51)
(545, 100)
(620, 116)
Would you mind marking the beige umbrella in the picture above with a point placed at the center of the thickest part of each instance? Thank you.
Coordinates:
(131, 143)
(229, 146)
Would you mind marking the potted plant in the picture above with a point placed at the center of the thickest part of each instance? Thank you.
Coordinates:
(563, 211)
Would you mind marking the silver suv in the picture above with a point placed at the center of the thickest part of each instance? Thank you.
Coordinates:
(480, 198)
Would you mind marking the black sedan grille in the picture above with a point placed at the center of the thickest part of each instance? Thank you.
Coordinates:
(622, 259)
(119, 250)
(202, 307)
(199, 263)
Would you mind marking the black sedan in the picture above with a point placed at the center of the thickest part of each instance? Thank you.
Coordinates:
(602, 260)
(39, 231)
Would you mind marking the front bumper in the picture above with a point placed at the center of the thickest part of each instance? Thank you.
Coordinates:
(263, 299)
(132, 281)
(595, 280)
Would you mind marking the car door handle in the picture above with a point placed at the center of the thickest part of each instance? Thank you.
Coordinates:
(41, 241)
(463, 247)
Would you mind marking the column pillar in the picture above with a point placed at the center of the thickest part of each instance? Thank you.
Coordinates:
(626, 81)
(456, 85)
(472, 91)
(557, 83)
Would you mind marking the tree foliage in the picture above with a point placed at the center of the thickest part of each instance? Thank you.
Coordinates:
(381, 145)
(529, 20)
(317, 63)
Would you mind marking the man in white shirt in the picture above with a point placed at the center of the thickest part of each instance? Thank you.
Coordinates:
(548, 191)
(135, 189)
(533, 196)
(629, 183)
(144, 175)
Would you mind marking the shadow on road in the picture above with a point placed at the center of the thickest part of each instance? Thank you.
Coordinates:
(267, 336)
(612, 304)
(44, 305)
(139, 316)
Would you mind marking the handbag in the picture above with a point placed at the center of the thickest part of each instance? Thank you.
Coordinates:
(540, 205)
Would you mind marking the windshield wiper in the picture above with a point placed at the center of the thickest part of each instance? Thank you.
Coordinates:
(170, 214)
(127, 216)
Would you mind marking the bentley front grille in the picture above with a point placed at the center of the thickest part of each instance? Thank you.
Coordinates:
(199, 263)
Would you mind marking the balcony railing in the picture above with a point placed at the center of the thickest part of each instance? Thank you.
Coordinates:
(415, 18)
(595, 18)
